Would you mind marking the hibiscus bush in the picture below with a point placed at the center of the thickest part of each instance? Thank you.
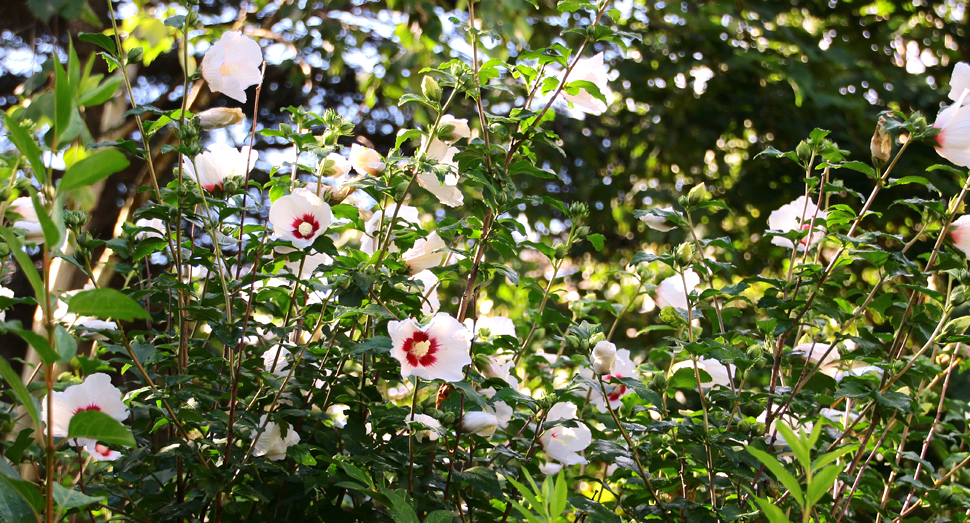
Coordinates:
(359, 335)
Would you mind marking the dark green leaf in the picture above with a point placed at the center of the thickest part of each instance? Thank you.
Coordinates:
(67, 498)
(101, 40)
(19, 390)
(97, 425)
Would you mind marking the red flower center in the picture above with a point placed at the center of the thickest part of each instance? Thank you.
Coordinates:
(616, 393)
(305, 226)
(102, 450)
(420, 350)
(89, 407)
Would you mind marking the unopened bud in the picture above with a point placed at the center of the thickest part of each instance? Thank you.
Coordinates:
(22, 184)
(881, 145)
(5, 193)
(578, 210)
(744, 426)
(697, 195)
(602, 357)
(685, 253)
(659, 382)
(4, 250)
(760, 363)
(448, 419)
(754, 352)
(431, 89)
(804, 151)
(561, 251)
(219, 117)
(75, 218)
(481, 423)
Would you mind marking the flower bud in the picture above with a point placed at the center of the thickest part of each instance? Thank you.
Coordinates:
(685, 253)
(582, 231)
(744, 426)
(448, 419)
(431, 89)
(753, 353)
(804, 151)
(4, 250)
(219, 117)
(561, 251)
(578, 210)
(881, 145)
(659, 382)
(603, 356)
(5, 193)
(481, 423)
(22, 184)
(75, 218)
(697, 194)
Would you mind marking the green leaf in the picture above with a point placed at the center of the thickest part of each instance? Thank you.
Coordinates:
(557, 502)
(597, 240)
(19, 390)
(26, 145)
(64, 344)
(439, 516)
(829, 457)
(822, 481)
(92, 169)
(52, 232)
(401, 511)
(107, 303)
(97, 425)
(101, 93)
(101, 40)
(471, 393)
(779, 471)
(597, 512)
(20, 500)
(799, 445)
(527, 494)
(25, 264)
(67, 498)
(63, 103)
(38, 342)
(774, 514)
(481, 479)
(357, 474)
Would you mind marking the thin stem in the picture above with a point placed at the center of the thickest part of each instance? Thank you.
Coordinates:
(414, 407)
(633, 450)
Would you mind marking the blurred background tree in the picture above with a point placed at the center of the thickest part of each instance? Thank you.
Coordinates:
(702, 89)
